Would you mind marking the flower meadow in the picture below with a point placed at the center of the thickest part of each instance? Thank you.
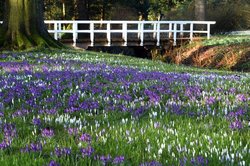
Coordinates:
(83, 108)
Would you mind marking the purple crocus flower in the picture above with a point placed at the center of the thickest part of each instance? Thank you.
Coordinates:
(62, 151)
(73, 131)
(47, 132)
(210, 100)
(199, 160)
(87, 151)
(236, 125)
(9, 130)
(1, 113)
(85, 138)
(4, 145)
(241, 98)
(118, 160)
(105, 159)
(153, 97)
(36, 147)
(1, 106)
(33, 147)
(53, 163)
(151, 163)
(36, 121)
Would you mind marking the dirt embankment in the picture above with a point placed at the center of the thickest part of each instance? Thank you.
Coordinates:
(231, 57)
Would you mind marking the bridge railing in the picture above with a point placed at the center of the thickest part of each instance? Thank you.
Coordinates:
(173, 29)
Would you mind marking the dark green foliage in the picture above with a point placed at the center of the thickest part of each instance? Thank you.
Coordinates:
(1, 9)
(230, 15)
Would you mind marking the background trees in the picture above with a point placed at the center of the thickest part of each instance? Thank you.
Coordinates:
(229, 14)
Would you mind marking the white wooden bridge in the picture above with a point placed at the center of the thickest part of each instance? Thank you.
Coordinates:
(124, 31)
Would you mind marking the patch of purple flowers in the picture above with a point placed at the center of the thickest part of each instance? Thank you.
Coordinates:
(21, 113)
(33, 147)
(240, 112)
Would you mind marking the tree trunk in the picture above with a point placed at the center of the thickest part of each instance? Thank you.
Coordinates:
(23, 26)
(200, 10)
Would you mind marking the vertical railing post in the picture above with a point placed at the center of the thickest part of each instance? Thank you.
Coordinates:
(155, 29)
(124, 33)
(139, 28)
(170, 30)
(108, 34)
(208, 31)
(158, 33)
(91, 34)
(175, 33)
(60, 30)
(55, 31)
(181, 29)
(142, 33)
(191, 31)
(75, 33)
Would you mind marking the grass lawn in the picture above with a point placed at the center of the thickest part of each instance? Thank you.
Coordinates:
(85, 108)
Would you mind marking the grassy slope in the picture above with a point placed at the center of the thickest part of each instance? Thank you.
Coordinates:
(220, 52)
(174, 130)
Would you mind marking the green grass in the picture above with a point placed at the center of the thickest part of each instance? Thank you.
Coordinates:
(227, 40)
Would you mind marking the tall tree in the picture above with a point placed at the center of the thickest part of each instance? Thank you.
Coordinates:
(23, 26)
(200, 10)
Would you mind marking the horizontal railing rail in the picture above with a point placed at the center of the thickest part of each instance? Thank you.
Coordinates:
(173, 29)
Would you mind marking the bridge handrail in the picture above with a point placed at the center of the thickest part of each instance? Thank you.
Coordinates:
(174, 27)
